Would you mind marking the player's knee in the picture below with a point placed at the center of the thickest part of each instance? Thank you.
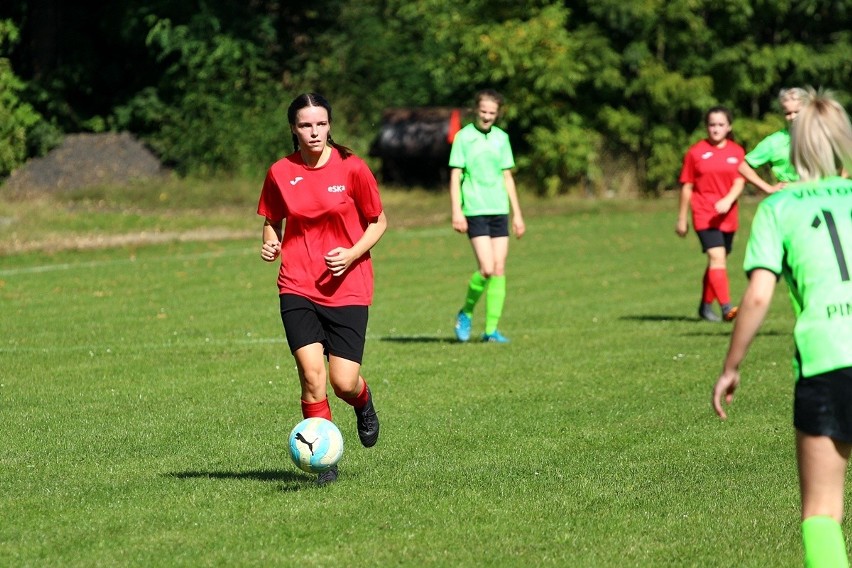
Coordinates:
(314, 378)
(347, 389)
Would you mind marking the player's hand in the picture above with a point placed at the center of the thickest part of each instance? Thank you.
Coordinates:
(518, 226)
(338, 260)
(777, 187)
(725, 386)
(681, 228)
(723, 206)
(459, 223)
(270, 250)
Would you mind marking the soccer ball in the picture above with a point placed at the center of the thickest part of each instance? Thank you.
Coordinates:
(315, 445)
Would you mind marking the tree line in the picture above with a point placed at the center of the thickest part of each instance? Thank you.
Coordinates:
(594, 88)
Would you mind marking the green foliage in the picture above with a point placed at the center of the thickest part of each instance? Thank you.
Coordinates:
(23, 131)
(216, 109)
(584, 81)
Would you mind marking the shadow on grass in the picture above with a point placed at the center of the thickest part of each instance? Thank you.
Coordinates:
(290, 480)
(419, 339)
(727, 332)
(659, 317)
(722, 329)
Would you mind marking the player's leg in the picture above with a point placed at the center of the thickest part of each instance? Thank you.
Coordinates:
(822, 473)
(823, 421)
(711, 245)
(306, 339)
(717, 276)
(496, 293)
(476, 286)
(346, 329)
(719, 248)
(477, 232)
(310, 362)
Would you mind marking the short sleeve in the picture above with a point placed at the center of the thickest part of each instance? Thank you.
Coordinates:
(687, 172)
(760, 154)
(507, 160)
(365, 189)
(765, 247)
(457, 152)
(271, 204)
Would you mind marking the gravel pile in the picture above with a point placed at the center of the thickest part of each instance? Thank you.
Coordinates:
(86, 160)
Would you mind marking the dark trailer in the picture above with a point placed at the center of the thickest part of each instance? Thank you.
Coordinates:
(414, 145)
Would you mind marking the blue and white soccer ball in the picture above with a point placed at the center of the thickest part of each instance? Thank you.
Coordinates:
(315, 445)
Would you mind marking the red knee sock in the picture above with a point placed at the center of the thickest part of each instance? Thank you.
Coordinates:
(320, 409)
(707, 295)
(359, 401)
(718, 278)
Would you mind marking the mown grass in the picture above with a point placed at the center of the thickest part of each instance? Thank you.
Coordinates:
(147, 393)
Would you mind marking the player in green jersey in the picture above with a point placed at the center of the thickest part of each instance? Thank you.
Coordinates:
(482, 190)
(804, 234)
(775, 148)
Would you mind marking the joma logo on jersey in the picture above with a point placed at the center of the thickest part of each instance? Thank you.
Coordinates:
(336, 188)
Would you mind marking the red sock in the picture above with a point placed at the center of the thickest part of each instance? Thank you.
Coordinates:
(312, 409)
(359, 401)
(718, 278)
(707, 295)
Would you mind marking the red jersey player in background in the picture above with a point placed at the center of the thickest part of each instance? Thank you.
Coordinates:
(711, 187)
(327, 202)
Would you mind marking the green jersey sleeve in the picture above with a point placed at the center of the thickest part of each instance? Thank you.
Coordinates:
(775, 151)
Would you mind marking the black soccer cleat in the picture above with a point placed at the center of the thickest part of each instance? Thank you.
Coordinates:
(368, 422)
(326, 477)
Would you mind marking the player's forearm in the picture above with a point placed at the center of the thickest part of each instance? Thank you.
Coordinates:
(752, 311)
(512, 192)
(455, 190)
(685, 198)
(371, 236)
(736, 190)
(751, 176)
(271, 231)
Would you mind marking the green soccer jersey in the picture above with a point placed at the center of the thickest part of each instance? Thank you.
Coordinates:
(775, 151)
(482, 157)
(805, 234)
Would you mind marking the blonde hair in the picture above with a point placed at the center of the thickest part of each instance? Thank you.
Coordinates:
(793, 94)
(821, 138)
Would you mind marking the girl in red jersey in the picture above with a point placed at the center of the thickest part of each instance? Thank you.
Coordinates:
(327, 202)
(711, 187)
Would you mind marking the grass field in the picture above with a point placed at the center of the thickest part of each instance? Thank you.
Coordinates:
(147, 392)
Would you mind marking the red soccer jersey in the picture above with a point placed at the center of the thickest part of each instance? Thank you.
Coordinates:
(322, 208)
(712, 171)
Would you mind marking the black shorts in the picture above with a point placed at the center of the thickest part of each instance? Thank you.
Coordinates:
(823, 405)
(488, 226)
(711, 238)
(342, 330)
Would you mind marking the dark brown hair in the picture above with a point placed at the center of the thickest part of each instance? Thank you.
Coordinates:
(313, 100)
(728, 114)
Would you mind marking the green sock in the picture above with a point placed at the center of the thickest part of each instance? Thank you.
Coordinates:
(823, 541)
(494, 299)
(475, 287)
